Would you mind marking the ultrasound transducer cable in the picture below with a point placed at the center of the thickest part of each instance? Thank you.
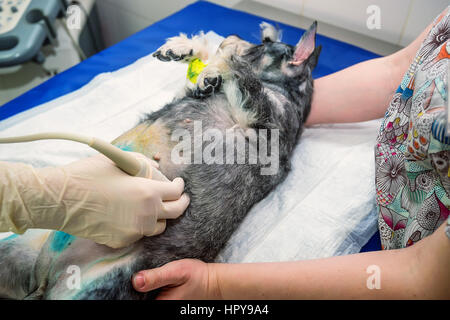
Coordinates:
(124, 160)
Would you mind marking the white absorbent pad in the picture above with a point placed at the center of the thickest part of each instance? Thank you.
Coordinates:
(325, 207)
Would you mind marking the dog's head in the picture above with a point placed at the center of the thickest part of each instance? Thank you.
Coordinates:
(274, 60)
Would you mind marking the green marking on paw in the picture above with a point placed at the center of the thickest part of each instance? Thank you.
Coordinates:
(196, 66)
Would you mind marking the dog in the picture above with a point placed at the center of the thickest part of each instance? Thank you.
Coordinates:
(260, 93)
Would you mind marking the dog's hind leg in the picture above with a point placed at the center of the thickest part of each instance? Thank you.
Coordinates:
(18, 257)
(73, 266)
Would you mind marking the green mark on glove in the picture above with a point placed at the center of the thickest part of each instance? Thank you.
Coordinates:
(196, 66)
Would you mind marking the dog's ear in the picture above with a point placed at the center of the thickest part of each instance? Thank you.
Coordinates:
(306, 46)
(269, 33)
(314, 57)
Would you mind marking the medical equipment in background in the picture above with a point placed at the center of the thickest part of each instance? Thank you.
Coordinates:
(86, 37)
(27, 25)
(124, 160)
(24, 27)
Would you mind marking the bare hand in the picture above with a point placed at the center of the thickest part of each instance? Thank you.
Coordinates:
(186, 279)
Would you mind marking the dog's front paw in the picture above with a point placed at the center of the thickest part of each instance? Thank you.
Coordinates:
(175, 49)
(207, 84)
(170, 55)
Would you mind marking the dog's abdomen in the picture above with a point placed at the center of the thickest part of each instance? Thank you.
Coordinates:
(153, 141)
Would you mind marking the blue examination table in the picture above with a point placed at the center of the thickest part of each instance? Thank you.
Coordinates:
(199, 16)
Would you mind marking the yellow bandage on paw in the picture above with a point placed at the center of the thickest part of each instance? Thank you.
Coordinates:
(196, 66)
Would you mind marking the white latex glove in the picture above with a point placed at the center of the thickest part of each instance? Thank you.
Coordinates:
(90, 198)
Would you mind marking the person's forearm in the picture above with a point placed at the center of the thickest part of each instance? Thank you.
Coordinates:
(420, 271)
(22, 200)
(343, 277)
(13, 210)
(361, 92)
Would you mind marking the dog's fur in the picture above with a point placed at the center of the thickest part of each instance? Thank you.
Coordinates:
(244, 86)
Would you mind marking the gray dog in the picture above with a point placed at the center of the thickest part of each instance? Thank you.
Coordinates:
(257, 97)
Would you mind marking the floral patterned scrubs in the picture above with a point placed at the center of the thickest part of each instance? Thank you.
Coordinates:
(412, 152)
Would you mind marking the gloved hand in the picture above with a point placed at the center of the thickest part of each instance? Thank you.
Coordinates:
(91, 198)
